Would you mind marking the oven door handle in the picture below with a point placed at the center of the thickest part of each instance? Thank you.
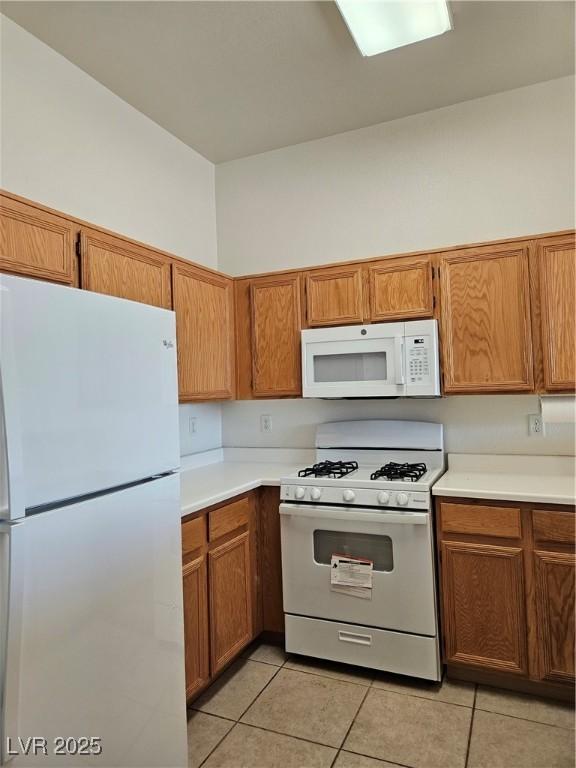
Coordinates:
(335, 513)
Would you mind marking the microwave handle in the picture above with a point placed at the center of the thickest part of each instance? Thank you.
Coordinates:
(399, 358)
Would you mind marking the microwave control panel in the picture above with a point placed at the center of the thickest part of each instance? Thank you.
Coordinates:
(418, 354)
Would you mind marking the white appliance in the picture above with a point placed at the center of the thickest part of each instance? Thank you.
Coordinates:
(91, 629)
(367, 498)
(379, 360)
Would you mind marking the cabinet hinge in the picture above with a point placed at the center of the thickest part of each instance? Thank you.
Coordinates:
(433, 302)
(433, 272)
(78, 244)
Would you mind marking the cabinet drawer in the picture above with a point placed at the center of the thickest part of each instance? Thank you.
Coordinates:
(482, 520)
(228, 518)
(556, 527)
(193, 535)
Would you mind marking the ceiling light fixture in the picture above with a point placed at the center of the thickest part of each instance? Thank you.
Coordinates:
(382, 25)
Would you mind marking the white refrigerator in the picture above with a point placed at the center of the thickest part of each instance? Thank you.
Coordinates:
(91, 628)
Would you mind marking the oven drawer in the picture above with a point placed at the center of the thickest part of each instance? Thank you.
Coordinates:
(380, 649)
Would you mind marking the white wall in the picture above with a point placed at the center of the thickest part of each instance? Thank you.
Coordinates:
(473, 424)
(71, 144)
(499, 166)
(495, 167)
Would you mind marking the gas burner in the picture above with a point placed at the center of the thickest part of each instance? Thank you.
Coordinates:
(394, 471)
(329, 469)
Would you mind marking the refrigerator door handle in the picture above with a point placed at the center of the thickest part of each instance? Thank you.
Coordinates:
(12, 552)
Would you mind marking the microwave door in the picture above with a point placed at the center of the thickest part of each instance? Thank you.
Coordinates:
(372, 367)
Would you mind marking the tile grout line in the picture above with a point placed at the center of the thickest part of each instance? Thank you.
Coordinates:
(471, 726)
(215, 747)
(354, 718)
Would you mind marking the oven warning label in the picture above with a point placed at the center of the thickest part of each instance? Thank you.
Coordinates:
(351, 576)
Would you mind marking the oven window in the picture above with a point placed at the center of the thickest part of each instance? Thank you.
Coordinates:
(356, 366)
(371, 546)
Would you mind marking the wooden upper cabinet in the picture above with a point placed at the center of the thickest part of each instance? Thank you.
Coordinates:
(36, 243)
(335, 296)
(125, 269)
(203, 302)
(556, 258)
(275, 336)
(485, 313)
(400, 289)
(484, 606)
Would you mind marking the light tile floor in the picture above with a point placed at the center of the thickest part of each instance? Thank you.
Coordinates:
(273, 711)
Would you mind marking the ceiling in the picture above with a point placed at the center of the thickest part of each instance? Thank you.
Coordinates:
(232, 79)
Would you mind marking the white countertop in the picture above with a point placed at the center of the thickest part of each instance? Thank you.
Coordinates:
(203, 486)
(537, 479)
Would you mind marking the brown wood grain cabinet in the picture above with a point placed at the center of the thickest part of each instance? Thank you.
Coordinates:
(222, 608)
(271, 561)
(484, 613)
(230, 588)
(35, 242)
(275, 316)
(556, 258)
(335, 295)
(197, 660)
(485, 320)
(204, 306)
(122, 268)
(507, 590)
(400, 289)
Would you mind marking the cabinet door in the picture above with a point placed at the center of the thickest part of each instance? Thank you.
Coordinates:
(203, 302)
(334, 296)
(121, 268)
(231, 580)
(555, 605)
(486, 336)
(557, 276)
(401, 289)
(35, 243)
(276, 323)
(195, 625)
(271, 560)
(484, 606)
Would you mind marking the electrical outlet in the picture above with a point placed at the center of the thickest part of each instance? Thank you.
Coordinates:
(535, 425)
(265, 422)
(193, 425)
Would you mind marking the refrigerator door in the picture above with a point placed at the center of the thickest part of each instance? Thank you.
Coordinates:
(88, 392)
(97, 651)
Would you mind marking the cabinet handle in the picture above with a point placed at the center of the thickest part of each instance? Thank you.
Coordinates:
(353, 637)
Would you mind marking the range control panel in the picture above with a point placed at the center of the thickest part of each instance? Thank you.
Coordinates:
(356, 497)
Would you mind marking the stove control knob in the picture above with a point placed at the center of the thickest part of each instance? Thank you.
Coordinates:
(315, 493)
(402, 499)
(348, 495)
(300, 492)
(383, 497)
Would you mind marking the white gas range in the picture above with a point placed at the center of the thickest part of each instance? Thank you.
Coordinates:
(358, 560)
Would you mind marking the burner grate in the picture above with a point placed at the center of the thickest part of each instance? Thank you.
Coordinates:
(329, 469)
(394, 471)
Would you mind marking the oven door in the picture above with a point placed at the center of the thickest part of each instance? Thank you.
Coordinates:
(357, 361)
(399, 544)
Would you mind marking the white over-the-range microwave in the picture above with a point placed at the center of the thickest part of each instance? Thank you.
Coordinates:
(379, 360)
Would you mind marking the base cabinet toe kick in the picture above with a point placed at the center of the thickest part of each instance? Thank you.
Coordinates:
(380, 649)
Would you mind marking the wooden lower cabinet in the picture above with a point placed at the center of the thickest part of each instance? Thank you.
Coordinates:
(507, 590)
(484, 612)
(271, 561)
(554, 587)
(195, 586)
(220, 587)
(230, 600)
